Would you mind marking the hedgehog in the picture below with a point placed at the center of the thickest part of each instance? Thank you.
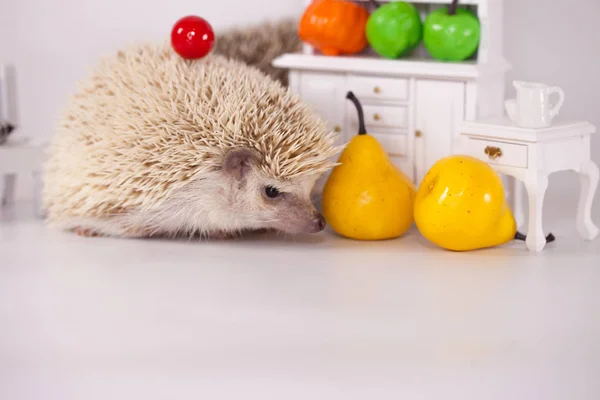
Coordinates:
(151, 144)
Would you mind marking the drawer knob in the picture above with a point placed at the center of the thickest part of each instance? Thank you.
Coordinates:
(377, 89)
(376, 117)
(418, 133)
(337, 128)
(493, 152)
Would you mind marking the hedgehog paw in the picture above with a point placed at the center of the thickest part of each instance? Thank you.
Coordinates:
(86, 232)
(138, 232)
(219, 235)
(262, 231)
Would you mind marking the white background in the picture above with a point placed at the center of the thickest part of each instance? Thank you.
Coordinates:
(53, 42)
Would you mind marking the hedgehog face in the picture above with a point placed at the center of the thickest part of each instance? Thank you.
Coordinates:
(263, 202)
(287, 205)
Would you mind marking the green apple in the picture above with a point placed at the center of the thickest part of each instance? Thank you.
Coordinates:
(451, 33)
(394, 29)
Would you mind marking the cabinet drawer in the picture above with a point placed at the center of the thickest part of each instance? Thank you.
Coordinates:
(395, 144)
(381, 117)
(498, 153)
(378, 88)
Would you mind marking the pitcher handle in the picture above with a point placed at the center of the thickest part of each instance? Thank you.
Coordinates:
(561, 98)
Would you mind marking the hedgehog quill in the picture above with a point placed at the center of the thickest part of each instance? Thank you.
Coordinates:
(154, 145)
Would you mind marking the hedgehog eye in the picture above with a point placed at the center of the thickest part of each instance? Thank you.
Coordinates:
(272, 192)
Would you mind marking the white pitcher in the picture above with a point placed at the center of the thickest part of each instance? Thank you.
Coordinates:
(532, 107)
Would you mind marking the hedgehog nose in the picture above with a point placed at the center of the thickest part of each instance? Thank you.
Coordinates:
(319, 223)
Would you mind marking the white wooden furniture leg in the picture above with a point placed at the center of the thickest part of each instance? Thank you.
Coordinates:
(37, 194)
(536, 184)
(8, 192)
(517, 201)
(20, 156)
(588, 176)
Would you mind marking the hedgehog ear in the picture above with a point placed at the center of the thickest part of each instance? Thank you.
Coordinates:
(238, 162)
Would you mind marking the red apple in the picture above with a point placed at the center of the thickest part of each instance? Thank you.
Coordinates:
(192, 37)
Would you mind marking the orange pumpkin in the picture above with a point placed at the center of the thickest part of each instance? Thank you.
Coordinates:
(334, 27)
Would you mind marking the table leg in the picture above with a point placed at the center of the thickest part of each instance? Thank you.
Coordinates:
(588, 176)
(517, 201)
(536, 184)
(37, 195)
(8, 193)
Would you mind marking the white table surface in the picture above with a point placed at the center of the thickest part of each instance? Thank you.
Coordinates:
(501, 127)
(317, 317)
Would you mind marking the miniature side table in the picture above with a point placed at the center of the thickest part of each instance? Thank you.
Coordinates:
(530, 156)
(19, 156)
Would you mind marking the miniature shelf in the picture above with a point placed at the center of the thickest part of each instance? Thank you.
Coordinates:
(415, 102)
(489, 13)
(467, 70)
(441, 2)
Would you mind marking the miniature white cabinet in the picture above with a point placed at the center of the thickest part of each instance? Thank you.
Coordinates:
(413, 112)
(439, 109)
(322, 90)
(413, 105)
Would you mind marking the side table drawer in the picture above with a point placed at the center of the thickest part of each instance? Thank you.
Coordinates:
(498, 153)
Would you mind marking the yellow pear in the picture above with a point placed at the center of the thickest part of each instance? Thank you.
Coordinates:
(367, 197)
(461, 205)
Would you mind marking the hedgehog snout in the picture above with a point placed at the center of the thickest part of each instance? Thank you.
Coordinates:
(311, 222)
(318, 223)
(298, 215)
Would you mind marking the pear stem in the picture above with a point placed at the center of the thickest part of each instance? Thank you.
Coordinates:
(361, 118)
(453, 7)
